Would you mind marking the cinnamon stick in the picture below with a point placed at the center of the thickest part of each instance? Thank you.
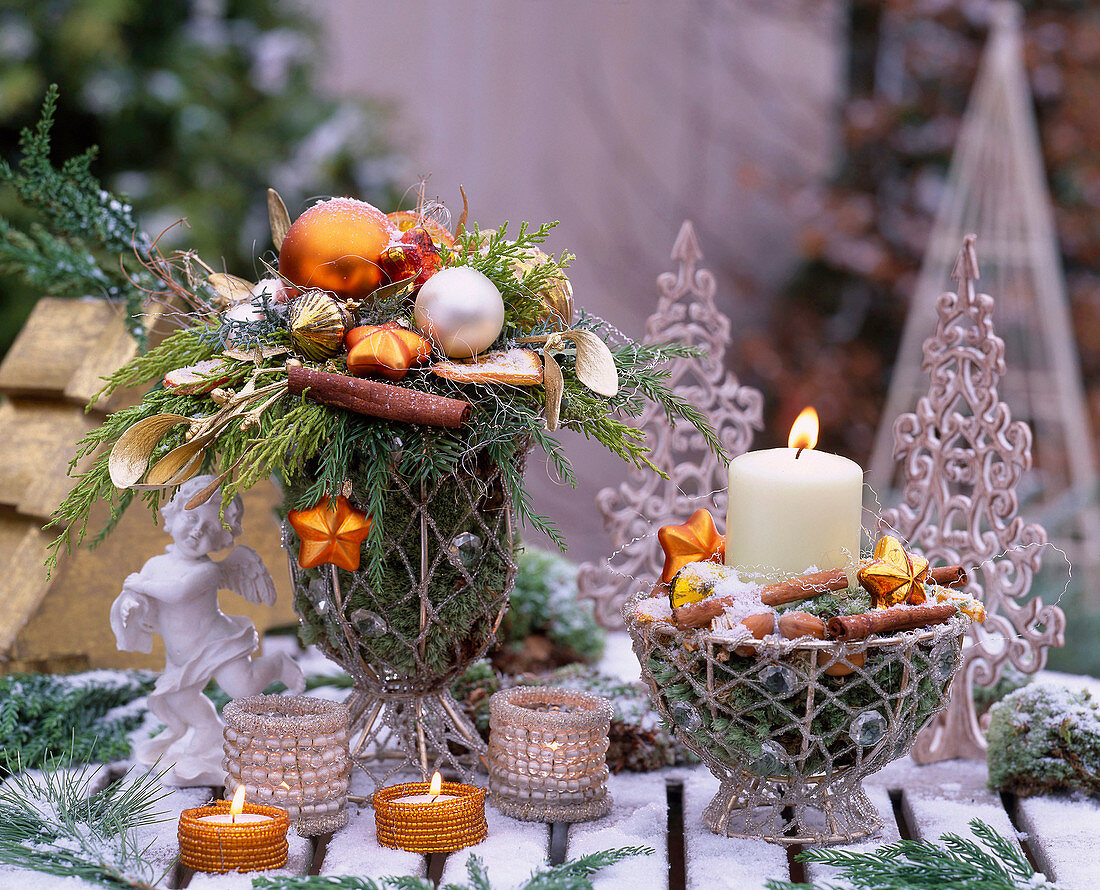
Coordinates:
(803, 587)
(792, 590)
(846, 628)
(376, 399)
(948, 576)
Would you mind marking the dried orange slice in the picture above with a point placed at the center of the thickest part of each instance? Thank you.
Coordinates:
(518, 366)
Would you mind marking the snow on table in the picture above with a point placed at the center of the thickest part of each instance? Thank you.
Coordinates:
(1062, 833)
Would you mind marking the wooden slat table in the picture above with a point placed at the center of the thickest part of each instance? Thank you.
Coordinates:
(663, 810)
(1060, 834)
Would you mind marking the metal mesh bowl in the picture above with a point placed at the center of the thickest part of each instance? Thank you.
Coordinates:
(446, 573)
(789, 741)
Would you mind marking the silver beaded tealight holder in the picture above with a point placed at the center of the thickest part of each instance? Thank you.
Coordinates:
(548, 754)
(290, 752)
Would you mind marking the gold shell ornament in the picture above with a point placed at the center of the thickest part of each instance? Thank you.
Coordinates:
(317, 326)
(556, 294)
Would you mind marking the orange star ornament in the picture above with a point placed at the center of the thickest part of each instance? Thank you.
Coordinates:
(330, 533)
(894, 575)
(388, 350)
(697, 540)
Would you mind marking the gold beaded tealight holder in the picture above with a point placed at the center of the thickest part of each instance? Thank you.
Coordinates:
(291, 752)
(440, 817)
(210, 841)
(548, 754)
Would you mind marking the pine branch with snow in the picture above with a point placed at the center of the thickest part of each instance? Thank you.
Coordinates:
(54, 822)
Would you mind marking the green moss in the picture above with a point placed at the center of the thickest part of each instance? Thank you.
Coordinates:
(1042, 739)
(828, 605)
(382, 599)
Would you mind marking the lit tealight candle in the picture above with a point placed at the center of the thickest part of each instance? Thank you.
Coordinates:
(440, 817)
(793, 508)
(434, 795)
(227, 837)
(236, 814)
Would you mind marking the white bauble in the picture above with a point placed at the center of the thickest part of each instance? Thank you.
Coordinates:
(460, 310)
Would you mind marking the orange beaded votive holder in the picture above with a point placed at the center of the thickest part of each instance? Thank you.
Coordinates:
(250, 844)
(417, 818)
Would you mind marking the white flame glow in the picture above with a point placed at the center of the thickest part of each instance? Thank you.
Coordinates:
(804, 430)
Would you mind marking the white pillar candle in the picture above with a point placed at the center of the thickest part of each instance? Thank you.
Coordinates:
(788, 512)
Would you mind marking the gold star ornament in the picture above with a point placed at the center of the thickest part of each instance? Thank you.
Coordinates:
(894, 575)
(697, 540)
(330, 533)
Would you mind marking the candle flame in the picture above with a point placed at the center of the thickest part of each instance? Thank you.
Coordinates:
(804, 430)
(436, 786)
(237, 807)
(553, 746)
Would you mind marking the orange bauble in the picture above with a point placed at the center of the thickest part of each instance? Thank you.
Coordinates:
(697, 540)
(336, 245)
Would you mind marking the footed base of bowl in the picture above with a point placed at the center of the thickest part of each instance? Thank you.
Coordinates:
(767, 809)
(395, 734)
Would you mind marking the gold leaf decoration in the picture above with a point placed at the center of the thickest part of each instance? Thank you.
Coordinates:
(460, 229)
(595, 365)
(178, 465)
(278, 216)
(130, 455)
(232, 288)
(555, 386)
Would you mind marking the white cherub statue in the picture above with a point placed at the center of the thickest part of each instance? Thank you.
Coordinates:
(175, 595)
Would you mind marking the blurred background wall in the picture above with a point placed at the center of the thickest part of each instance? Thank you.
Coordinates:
(620, 120)
(807, 140)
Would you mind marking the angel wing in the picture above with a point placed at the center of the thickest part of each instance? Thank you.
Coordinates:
(243, 572)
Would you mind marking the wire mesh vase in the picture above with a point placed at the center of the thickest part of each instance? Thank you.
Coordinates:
(430, 607)
(790, 728)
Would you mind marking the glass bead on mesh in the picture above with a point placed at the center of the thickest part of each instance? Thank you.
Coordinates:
(446, 573)
(791, 729)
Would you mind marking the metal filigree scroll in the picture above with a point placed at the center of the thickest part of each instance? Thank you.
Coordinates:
(962, 458)
(633, 510)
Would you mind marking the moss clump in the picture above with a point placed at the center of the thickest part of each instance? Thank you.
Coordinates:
(1043, 739)
(546, 626)
(852, 601)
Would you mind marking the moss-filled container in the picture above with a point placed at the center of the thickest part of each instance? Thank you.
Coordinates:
(791, 727)
(420, 609)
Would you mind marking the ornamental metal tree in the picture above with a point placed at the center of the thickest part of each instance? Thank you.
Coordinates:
(631, 511)
(962, 457)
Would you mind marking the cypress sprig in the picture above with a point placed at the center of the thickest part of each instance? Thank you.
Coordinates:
(80, 219)
(992, 862)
